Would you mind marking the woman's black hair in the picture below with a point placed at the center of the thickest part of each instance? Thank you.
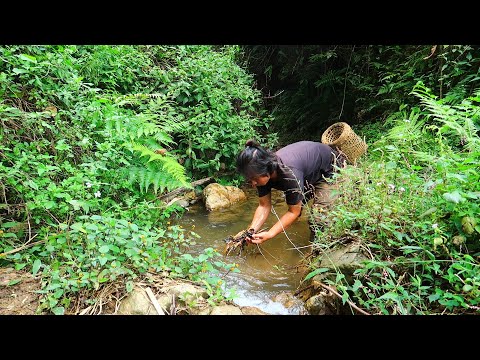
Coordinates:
(254, 160)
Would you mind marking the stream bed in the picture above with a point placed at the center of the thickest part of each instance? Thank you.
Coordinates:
(269, 272)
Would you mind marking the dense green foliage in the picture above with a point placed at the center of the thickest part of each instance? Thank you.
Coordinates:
(91, 135)
(309, 87)
(413, 200)
(414, 204)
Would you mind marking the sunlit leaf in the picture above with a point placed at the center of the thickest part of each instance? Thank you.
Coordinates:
(104, 249)
(454, 197)
(59, 310)
(315, 272)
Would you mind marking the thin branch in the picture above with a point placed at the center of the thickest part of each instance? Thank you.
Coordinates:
(340, 296)
(274, 96)
(22, 247)
(303, 289)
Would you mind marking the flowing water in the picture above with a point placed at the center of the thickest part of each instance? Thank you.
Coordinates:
(268, 272)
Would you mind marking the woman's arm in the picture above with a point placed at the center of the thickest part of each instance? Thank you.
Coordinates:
(285, 221)
(262, 211)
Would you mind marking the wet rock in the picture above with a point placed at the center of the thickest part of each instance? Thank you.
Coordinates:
(252, 310)
(192, 197)
(289, 301)
(216, 196)
(182, 202)
(320, 304)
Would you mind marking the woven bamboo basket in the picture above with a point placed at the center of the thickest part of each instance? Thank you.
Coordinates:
(342, 136)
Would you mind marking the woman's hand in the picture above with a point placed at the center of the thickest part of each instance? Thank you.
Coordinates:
(261, 237)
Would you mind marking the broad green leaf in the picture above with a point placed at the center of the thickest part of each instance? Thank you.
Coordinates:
(32, 184)
(76, 204)
(78, 227)
(428, 212)
(92, 227)
(20, 266)
(316, 272)
(49, 204)
(9, 235)
(356, 285)
(51, 287)
(389, 295)
(114, 248)
(454, 197)
(58, 310)
(10, 224)
(19, 71)
(36, 266)
(28, 57)
(104, 249)
(391, 165)
(187, 257)
(58, 294)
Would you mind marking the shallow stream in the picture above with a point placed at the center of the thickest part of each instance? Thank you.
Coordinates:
(267, 271)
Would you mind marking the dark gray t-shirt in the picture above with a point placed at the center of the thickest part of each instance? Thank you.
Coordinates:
(301, 165)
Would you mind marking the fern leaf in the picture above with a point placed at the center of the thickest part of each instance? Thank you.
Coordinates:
(168, 163)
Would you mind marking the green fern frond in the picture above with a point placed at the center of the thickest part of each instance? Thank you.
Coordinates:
(456, 120)
(132, 99)
(145, 128)
(329, 79)
(388, 77)
(409, 128)
(152, 176)
(168, 163)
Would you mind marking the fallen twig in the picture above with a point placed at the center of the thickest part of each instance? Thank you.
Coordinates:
(154, 301)
(340, 296)
(84, 311)
(303, 289)
(22, 247)
(172, 194)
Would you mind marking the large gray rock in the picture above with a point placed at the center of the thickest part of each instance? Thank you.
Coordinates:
(136, 303)
(189, 299)
(345, 258)
(216, 196)
(187, 293)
